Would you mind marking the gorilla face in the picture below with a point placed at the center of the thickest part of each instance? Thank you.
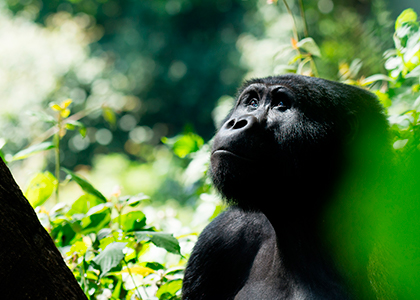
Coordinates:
(289, 134)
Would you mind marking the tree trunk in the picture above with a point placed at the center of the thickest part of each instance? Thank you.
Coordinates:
(31, 267)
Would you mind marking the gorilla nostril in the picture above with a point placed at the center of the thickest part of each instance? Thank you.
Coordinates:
(240, 124)
(230, 124)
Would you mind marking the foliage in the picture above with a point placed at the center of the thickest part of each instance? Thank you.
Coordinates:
(103, 243)
(103, 239)
(402, 97)
(128, 93)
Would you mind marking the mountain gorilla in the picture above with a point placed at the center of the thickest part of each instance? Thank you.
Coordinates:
(288, 151)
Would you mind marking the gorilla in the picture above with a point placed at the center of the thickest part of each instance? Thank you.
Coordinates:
(290, 150)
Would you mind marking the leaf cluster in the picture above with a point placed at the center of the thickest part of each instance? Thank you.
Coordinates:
(401, 93)
(103, 240)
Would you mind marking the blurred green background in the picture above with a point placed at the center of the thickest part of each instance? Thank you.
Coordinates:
(138, 71)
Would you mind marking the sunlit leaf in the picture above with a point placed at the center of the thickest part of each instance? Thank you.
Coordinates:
(117, 290)
(78, 247)
(134, 200)
(109, 258)
(96, 218)
(383, 98)
(374, 78)
(185, 144)
(85, 185)
(414, 73)
(140, 270)
(309, 45)
(406, 17)
(40, 188)
(135, 220)
(84, 204)
(163, 240)
(169, 289)
(32, 150)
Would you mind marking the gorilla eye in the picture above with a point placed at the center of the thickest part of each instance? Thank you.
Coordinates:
(281, 99)
(253, 103)
(281, 104)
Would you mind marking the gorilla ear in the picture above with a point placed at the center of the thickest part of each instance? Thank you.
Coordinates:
(351, 128)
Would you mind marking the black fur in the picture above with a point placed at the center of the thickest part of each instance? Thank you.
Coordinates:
(280, 159)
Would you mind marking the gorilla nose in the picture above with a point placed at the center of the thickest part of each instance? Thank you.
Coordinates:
(241, 123)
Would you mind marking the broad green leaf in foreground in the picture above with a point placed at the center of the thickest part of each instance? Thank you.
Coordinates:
(131, 221)
(84, 204)
(160, 239)
(85, 185)
(109, 258)
(40, 188)
(96, 218)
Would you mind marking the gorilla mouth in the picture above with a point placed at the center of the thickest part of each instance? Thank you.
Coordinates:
(226, 152)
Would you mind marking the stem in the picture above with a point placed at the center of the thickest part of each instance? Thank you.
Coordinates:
(314, 68)
(57, 157)
(132, 278)
(57, 168)
(302, 15)
(295, 32)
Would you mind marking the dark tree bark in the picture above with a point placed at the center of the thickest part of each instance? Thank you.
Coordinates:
(31, 267)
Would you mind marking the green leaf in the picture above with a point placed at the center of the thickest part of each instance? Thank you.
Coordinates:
(133, 200)
(63, 234)
(83, 131)
(408, 16)
(376, 77)
(295, 59)
(117, 290)
(414, 73)
(74, 123)
(135, 220)
(96, 218)
(40, 188)
(84, 204)
(85, 185)
(109, 116)
(185, 144)
(109, 258)
(383, 98)
(299, 69)
(169, 289)
(309, 45)
(32, 150)
(163, 240)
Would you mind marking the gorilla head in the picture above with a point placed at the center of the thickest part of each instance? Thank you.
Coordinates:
(294, 136)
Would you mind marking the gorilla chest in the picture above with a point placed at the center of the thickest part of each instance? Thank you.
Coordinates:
(268, 279)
